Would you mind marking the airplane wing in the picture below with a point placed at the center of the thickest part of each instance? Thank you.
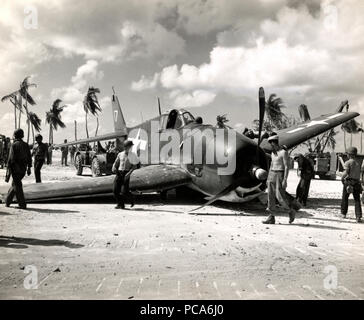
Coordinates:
(104, 137)
(149, 178)
(293, 136)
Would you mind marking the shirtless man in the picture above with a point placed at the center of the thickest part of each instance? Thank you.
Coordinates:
(277, 180)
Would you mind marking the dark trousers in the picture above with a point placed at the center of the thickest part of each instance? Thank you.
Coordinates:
(38, 164)
(302, 190)
(72, 155)
(16, 189)
(121, 189)
(345, 200)
(64, 158)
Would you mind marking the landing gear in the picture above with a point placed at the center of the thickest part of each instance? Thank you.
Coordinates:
(95, 167)
(78, 165)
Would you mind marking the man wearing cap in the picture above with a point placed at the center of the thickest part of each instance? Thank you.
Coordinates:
(125, 162)
(40, 153)
(277, 180)
(351, 184)
(19, 163)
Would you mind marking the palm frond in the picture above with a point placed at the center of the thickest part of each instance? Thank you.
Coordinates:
(35, 121)
(303, 112)
(90, 102)
(351, 126)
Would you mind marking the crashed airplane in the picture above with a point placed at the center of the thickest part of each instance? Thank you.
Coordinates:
(163, 168)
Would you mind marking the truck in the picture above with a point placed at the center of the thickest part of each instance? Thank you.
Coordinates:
(325, 164)
(98, 159)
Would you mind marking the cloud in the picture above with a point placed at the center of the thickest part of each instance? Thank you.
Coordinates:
(73, 94)
(144, 83)
(196, 98)
(296, 52)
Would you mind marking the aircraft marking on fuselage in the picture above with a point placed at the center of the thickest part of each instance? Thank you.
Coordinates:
(138, 143)
(314, 123)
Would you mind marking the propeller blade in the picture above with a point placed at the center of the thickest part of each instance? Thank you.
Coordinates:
(261, 112)
(222, 193)
(159, 106)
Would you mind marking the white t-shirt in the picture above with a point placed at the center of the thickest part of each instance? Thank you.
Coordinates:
(126, 161)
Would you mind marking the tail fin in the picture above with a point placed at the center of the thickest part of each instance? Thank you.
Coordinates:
(119, 121)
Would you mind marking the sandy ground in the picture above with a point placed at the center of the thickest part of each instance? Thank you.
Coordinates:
(87, 249)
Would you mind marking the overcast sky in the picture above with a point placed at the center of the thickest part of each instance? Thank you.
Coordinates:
(209, 56)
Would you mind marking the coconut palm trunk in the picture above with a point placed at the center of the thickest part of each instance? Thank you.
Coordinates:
(97, 126)
(86, 126)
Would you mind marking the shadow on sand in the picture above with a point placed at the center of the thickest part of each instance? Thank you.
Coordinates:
(43, 210)
(22, 243)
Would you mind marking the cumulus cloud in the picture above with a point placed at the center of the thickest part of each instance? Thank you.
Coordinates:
(144, 83)
(294, 52)
(196, 98)
(73, 94)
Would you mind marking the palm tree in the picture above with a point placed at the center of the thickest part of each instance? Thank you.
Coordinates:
(221, 122)
(273, 110)
(24, 87)
(53, 118)
(15, 100)
(352, 127)
(35, 122)
(91, 105)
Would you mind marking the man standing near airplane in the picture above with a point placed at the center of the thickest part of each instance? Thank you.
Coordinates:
(40, 154)
(19, 163)
(277, 180)
(126, 161)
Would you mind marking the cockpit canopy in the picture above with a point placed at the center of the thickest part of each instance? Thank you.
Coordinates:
(175, 119)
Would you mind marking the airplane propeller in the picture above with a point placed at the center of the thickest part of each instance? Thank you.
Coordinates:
(261, 113)
(258, 172)
(222, 193)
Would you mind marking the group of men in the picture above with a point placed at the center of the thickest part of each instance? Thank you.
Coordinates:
(64, 154)
(278, 174)
(20, 163)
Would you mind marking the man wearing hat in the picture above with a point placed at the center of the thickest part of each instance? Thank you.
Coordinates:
(277, 180)
(40, 152)
(125, 162)
(351, 183)
(19, 163)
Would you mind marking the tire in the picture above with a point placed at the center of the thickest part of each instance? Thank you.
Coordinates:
(95, 167)
(78, 165)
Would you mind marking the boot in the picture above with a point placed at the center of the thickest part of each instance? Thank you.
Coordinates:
(270, 220)
(292, 215)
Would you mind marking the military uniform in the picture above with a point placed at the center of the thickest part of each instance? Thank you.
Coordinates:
(64, 151)
(277, 180)
(351, 184)
(19, 161)
(40, 152)
(306, 174)
(124, 163)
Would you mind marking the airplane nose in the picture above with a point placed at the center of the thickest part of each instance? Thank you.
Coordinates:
(260, 173)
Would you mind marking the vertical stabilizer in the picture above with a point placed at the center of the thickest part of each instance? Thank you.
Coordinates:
(119, 121)
(118, 117)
